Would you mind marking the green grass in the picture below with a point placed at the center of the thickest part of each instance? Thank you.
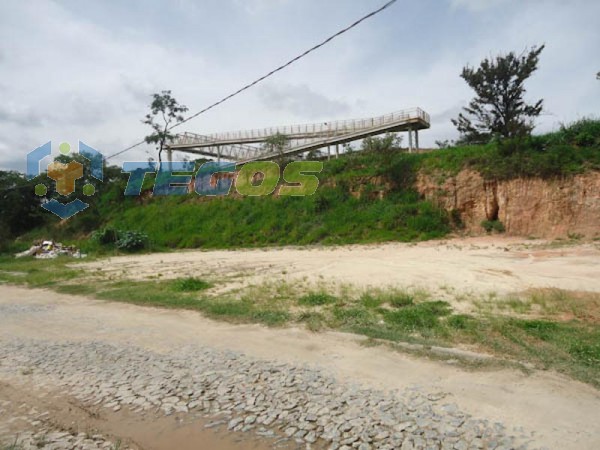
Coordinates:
(462, 322)
(571, 150)
(152, 293)
(316, 299)
(547, 304)
(190, 285)
(401, 299)
(331, 216)
(570, 347)
(422, 317)
(36, 273)
(14, 445)
(77, 289)
(369, 300)
(345, 209)
(553, 329)
(162, 294)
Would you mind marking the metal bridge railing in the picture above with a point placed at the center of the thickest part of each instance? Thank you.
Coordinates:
(328, 128)
(234, 145)
(226, 151)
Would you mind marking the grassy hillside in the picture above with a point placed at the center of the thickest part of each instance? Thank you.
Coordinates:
(346, 207)
(331, 216)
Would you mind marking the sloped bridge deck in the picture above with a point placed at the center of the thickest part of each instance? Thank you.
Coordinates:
(236, 145)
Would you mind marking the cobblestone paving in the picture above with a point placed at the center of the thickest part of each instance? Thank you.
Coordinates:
(283, 403)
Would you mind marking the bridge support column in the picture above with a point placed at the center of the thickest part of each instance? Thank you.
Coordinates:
(328, 153)
(337, 151)
(218, 154)
(410, 141)
(170, 159)
(417, 140)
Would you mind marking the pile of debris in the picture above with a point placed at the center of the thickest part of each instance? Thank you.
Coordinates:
(50, 250)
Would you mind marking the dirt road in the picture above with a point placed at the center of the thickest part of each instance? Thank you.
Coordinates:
(171, 373)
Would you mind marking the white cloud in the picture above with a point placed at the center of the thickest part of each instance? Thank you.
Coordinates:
(480, 5)
(301, 100)
(66, 75)
(71, 79)
(259, 6)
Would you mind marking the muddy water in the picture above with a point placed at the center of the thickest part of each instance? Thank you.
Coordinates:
(140, 432)
(166, 433)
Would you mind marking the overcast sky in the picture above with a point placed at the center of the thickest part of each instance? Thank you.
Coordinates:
(78, 69)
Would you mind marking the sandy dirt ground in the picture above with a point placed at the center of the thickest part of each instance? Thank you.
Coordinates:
(471, 265)
(562, 413)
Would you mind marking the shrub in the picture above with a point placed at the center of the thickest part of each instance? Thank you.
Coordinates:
(583, 133)
(131, 240)
(456, 219)
(5, 237)
(123, 240)
(105, 236)
(493, 225)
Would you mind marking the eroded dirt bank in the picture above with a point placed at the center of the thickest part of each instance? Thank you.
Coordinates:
(526, 207)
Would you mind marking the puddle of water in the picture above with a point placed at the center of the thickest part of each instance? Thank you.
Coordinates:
(167, 433)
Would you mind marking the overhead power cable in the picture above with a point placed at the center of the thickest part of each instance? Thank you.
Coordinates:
(272, 72)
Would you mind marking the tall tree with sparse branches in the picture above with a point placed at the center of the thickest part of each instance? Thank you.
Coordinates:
(276, 143)
(499, 107)
(165, 112)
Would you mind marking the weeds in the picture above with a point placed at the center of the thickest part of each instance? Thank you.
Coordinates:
(549, 328)
(555, 304)
(316, 299)
(13, 446)
(423, 318)
(190, 285)
(314, 321)
(401, 300)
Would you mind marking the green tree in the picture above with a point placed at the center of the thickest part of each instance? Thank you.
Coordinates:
(20, 206)
(277, 143)
(165, 112)
(499, 107)
(444, 144)
(389, 142)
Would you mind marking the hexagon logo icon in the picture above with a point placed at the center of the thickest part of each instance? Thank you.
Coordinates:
(65, 176)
